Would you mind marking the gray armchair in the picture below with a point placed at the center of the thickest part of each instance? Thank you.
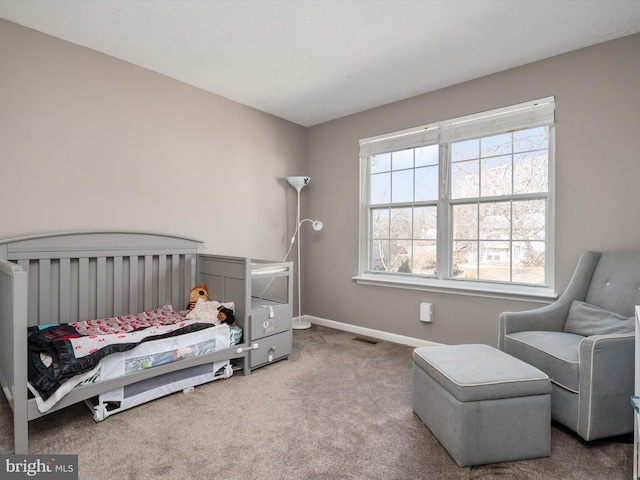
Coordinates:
(585, 342)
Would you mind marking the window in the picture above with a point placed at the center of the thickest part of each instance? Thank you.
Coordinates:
(464, 203)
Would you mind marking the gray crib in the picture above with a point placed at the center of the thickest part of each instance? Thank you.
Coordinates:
(74, 276)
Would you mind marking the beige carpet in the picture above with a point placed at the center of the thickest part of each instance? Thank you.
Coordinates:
(338, 409)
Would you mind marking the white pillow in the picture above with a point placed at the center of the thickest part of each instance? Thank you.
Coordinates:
(207, 310)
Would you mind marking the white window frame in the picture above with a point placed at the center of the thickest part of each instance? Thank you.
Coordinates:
(516, 117)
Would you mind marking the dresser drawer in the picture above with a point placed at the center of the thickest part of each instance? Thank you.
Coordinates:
(271, 349)
(270, 320)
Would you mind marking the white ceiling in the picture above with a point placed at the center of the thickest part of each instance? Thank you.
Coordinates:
(316, 60)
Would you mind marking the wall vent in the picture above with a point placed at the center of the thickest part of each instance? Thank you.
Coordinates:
(365, 340)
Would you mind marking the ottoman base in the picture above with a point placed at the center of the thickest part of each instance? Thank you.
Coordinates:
(483, 431)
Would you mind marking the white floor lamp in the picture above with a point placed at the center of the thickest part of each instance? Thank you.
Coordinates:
(298, 183)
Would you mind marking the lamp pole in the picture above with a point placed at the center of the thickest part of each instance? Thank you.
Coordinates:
(298, 183)
(299, 324)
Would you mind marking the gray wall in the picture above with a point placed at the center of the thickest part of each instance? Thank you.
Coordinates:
(88, 141)
(597, 186)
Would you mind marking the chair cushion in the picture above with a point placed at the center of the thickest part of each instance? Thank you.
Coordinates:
(555, 353)
(586, 319)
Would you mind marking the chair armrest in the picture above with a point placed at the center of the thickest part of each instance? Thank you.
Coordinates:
(551, 317)
(606, 384)
(548, 318)
(615, 348)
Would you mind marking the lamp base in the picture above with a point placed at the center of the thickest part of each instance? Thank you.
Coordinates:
(300, 324)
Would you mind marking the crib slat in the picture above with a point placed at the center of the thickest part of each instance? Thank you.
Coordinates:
(83, 289)
(148, 282)
(101, 286)
(175, 281)
(44, 280)
(162, 283)
(133, 283)
(117, 286)
(190, 270)
(65, 291)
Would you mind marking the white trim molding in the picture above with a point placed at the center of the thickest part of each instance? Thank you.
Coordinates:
(456, 287)
(369, 332)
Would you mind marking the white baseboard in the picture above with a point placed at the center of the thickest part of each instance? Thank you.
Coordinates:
(369, 332)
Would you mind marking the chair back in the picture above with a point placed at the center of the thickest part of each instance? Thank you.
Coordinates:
(615, 284)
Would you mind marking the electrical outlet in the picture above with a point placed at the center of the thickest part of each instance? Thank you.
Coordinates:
(426, 312)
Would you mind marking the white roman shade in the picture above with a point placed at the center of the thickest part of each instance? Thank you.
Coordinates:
(531, 114)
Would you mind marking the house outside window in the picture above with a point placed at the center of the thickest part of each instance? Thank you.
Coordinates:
(462, 204)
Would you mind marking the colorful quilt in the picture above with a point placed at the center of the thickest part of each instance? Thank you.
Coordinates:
(164, 315)
(63, 351)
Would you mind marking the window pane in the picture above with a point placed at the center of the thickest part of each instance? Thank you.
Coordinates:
(379, 255)
(531, 172)
(404, 261)
(465, 260)
(495, 221)
(379, 223)
(426, 184)
(402, 188)
(495, 261)
(496, 145)
(380, 188)
(465, 222)
(399, 255)
(529, 220)
(425, 223)
(381, 163)
(531, 139)
(528, 262)
(496, 176)
(401, 222)
(424, 257)
(402, 159)
(466, 150)
(427, 156)
(464, 179)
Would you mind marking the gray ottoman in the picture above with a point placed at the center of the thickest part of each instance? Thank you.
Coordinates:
(483, 405)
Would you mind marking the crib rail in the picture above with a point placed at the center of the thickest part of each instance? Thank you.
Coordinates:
(71, 289)
(82, 276)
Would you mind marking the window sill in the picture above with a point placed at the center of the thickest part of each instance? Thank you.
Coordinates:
(457, 287)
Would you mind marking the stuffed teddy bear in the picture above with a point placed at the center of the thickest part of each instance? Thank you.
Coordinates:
(196, 294)
(225, 315)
